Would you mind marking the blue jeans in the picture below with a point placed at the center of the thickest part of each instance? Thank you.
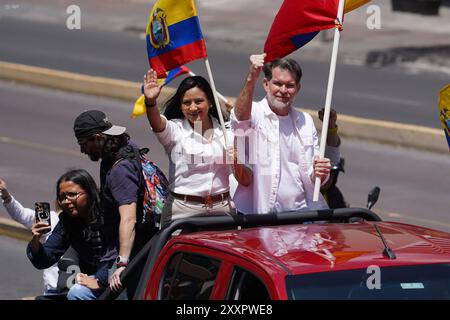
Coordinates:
(80, 292)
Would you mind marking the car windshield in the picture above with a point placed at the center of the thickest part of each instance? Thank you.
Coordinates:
(403, 282)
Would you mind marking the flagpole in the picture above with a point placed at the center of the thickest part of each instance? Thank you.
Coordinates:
(326, 116)
(216, 100)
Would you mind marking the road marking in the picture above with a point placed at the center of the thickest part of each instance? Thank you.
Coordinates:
(408, 217)
(39, 146)
(385, 99)
(69, 152)
(381, 131)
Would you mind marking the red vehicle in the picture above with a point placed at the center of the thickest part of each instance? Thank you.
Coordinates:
(346, 254)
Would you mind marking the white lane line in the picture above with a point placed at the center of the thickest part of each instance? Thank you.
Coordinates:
(412, 218)
(386, 99)
(39, 146)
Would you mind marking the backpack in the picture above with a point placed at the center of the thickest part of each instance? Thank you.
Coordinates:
(153, 186)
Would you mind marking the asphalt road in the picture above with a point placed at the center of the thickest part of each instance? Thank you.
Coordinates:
(391, 94)
(18, 277)
(37, 143)
(37, 146)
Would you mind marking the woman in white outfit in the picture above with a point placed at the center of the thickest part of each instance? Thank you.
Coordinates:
(191, 134)
(26, 217)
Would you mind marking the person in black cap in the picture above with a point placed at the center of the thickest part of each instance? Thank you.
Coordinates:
(92, 129)
(119, 184)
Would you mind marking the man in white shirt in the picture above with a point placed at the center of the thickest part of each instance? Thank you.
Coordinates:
(280, 142)
(26, 217)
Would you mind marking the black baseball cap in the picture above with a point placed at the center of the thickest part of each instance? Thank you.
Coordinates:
(94, 121)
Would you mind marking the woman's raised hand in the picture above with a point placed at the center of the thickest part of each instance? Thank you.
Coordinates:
(151, 87)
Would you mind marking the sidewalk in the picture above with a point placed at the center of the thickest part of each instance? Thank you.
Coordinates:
(411, 40)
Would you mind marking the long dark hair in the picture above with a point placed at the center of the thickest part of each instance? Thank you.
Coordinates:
(91, 233)
(113, 144)
(173, 105)
(82, 178)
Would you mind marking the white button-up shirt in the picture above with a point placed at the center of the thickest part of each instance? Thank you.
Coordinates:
(197, 166)
(264, 154)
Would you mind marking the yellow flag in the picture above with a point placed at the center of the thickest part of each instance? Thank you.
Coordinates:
(351, 5)
(444, 111)
(139, 107)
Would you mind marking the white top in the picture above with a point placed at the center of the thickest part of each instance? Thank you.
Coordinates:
(26, 217)
(293, 195)
(270, 152)
(197, 166)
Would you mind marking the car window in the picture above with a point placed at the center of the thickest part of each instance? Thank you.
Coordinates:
(398, 282)
(246, 286)
(189, 277)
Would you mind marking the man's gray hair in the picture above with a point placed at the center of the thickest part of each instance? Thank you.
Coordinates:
(286, 64)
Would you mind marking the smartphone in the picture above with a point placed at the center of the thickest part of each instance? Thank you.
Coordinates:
(42, 212)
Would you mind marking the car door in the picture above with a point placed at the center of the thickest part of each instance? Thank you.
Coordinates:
(200, 273)
(184, 272)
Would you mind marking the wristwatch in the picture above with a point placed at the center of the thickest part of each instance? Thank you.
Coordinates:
(121, 262)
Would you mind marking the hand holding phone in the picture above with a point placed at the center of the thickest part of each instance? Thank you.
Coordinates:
(42, 213)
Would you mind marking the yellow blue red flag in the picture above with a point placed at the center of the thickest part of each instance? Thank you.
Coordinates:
(173, 35)
(172, 74)
(444, 111)
(139, 108)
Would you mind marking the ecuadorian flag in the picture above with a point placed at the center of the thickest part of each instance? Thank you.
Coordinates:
(175, 73)
(139, 108)
(174, 36)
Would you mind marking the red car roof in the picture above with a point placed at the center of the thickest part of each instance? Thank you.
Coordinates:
(308, 248)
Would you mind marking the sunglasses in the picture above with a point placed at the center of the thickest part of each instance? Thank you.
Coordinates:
(71, 196)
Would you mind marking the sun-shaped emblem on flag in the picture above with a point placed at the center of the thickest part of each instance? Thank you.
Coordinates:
(159, 33)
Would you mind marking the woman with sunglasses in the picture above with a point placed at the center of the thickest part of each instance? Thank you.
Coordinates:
(80, 224)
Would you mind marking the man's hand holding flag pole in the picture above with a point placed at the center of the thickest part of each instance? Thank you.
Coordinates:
(290, 32)
(329, 96)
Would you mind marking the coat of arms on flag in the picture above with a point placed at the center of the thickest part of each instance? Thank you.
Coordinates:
(173, 35)
(159, 33)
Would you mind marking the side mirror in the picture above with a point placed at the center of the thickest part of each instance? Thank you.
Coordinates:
(372, 198)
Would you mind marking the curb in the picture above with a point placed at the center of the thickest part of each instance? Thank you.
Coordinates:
(391, 133)
(12, 229)
(74, 82)
(403, 135)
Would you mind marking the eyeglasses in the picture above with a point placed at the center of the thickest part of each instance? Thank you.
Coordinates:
(71, 196)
